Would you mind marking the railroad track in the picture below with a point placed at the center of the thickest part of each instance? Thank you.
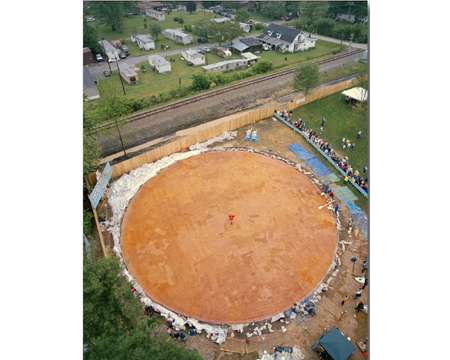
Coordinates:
(141, 115)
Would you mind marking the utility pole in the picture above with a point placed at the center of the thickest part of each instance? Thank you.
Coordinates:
(120, 136)
(120, 76)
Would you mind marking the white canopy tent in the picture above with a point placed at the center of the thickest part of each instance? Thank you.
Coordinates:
(357, 93)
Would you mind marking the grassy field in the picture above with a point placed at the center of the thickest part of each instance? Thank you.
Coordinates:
(280, 60)
(342, 120)
(135, 23)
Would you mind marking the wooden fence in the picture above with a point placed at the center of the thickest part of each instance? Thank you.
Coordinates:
(188, 137)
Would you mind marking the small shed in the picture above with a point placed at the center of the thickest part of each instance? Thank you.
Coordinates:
(193, 57)
(128, 73)
(160, 64)
(356, 94)
(252, 58)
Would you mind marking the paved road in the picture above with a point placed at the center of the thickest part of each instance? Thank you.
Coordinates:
(167, 122)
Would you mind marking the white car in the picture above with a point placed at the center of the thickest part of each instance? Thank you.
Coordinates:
(266, 47)
(99, 57)
(90, 18)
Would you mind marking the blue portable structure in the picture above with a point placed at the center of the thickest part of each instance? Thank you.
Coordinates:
(335, 345)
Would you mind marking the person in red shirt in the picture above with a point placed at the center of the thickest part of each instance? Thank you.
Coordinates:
(231, 218)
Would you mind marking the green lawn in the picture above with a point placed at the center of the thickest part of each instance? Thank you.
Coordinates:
(279, 60)
(136, 24)
(342, 120)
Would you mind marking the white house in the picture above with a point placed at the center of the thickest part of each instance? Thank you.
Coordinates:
(283, 38)
(111, 52)
(245, 27)
(226, 65)
(159, 63)
(155, 14)
(178, 36)
(193, 57)
(143, 41)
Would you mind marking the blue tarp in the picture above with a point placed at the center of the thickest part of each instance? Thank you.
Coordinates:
(330, 178)
(301, 153)
(353, 208)
(316, 166)
(343, 193)
(336, 344)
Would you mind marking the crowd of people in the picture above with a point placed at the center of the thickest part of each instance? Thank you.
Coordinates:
(353, 176)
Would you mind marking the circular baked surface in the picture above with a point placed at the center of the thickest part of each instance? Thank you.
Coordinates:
(179, 245)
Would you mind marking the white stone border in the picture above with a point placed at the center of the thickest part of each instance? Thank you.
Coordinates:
(124, 189)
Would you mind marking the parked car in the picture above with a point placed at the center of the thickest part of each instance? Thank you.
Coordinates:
(90, 18)
(99, 57)
(122, 55)
(204, 50)
(266, 47)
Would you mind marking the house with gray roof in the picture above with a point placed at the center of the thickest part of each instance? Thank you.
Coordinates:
(287, 39)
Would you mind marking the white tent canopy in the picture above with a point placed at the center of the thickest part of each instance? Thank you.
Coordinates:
(356, 93)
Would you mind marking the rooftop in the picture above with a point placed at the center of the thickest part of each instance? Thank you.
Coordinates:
(287, 33)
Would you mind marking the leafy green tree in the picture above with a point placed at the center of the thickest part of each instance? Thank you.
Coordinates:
(306, 77)
(325, 26)
(223, 32)
(273, 10)
(90, 38)
(262, 66)
(208, 4)
(155, 29)
(112, 12)
(114, 325)
(200, 82)
(242, 15)
(191, 6)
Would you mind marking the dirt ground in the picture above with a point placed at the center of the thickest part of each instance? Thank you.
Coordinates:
(302, 332)
(180, 246)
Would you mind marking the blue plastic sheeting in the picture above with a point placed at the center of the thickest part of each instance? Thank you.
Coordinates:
(316, 166)
(301, 153)
(330, 178)
(354, 210)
